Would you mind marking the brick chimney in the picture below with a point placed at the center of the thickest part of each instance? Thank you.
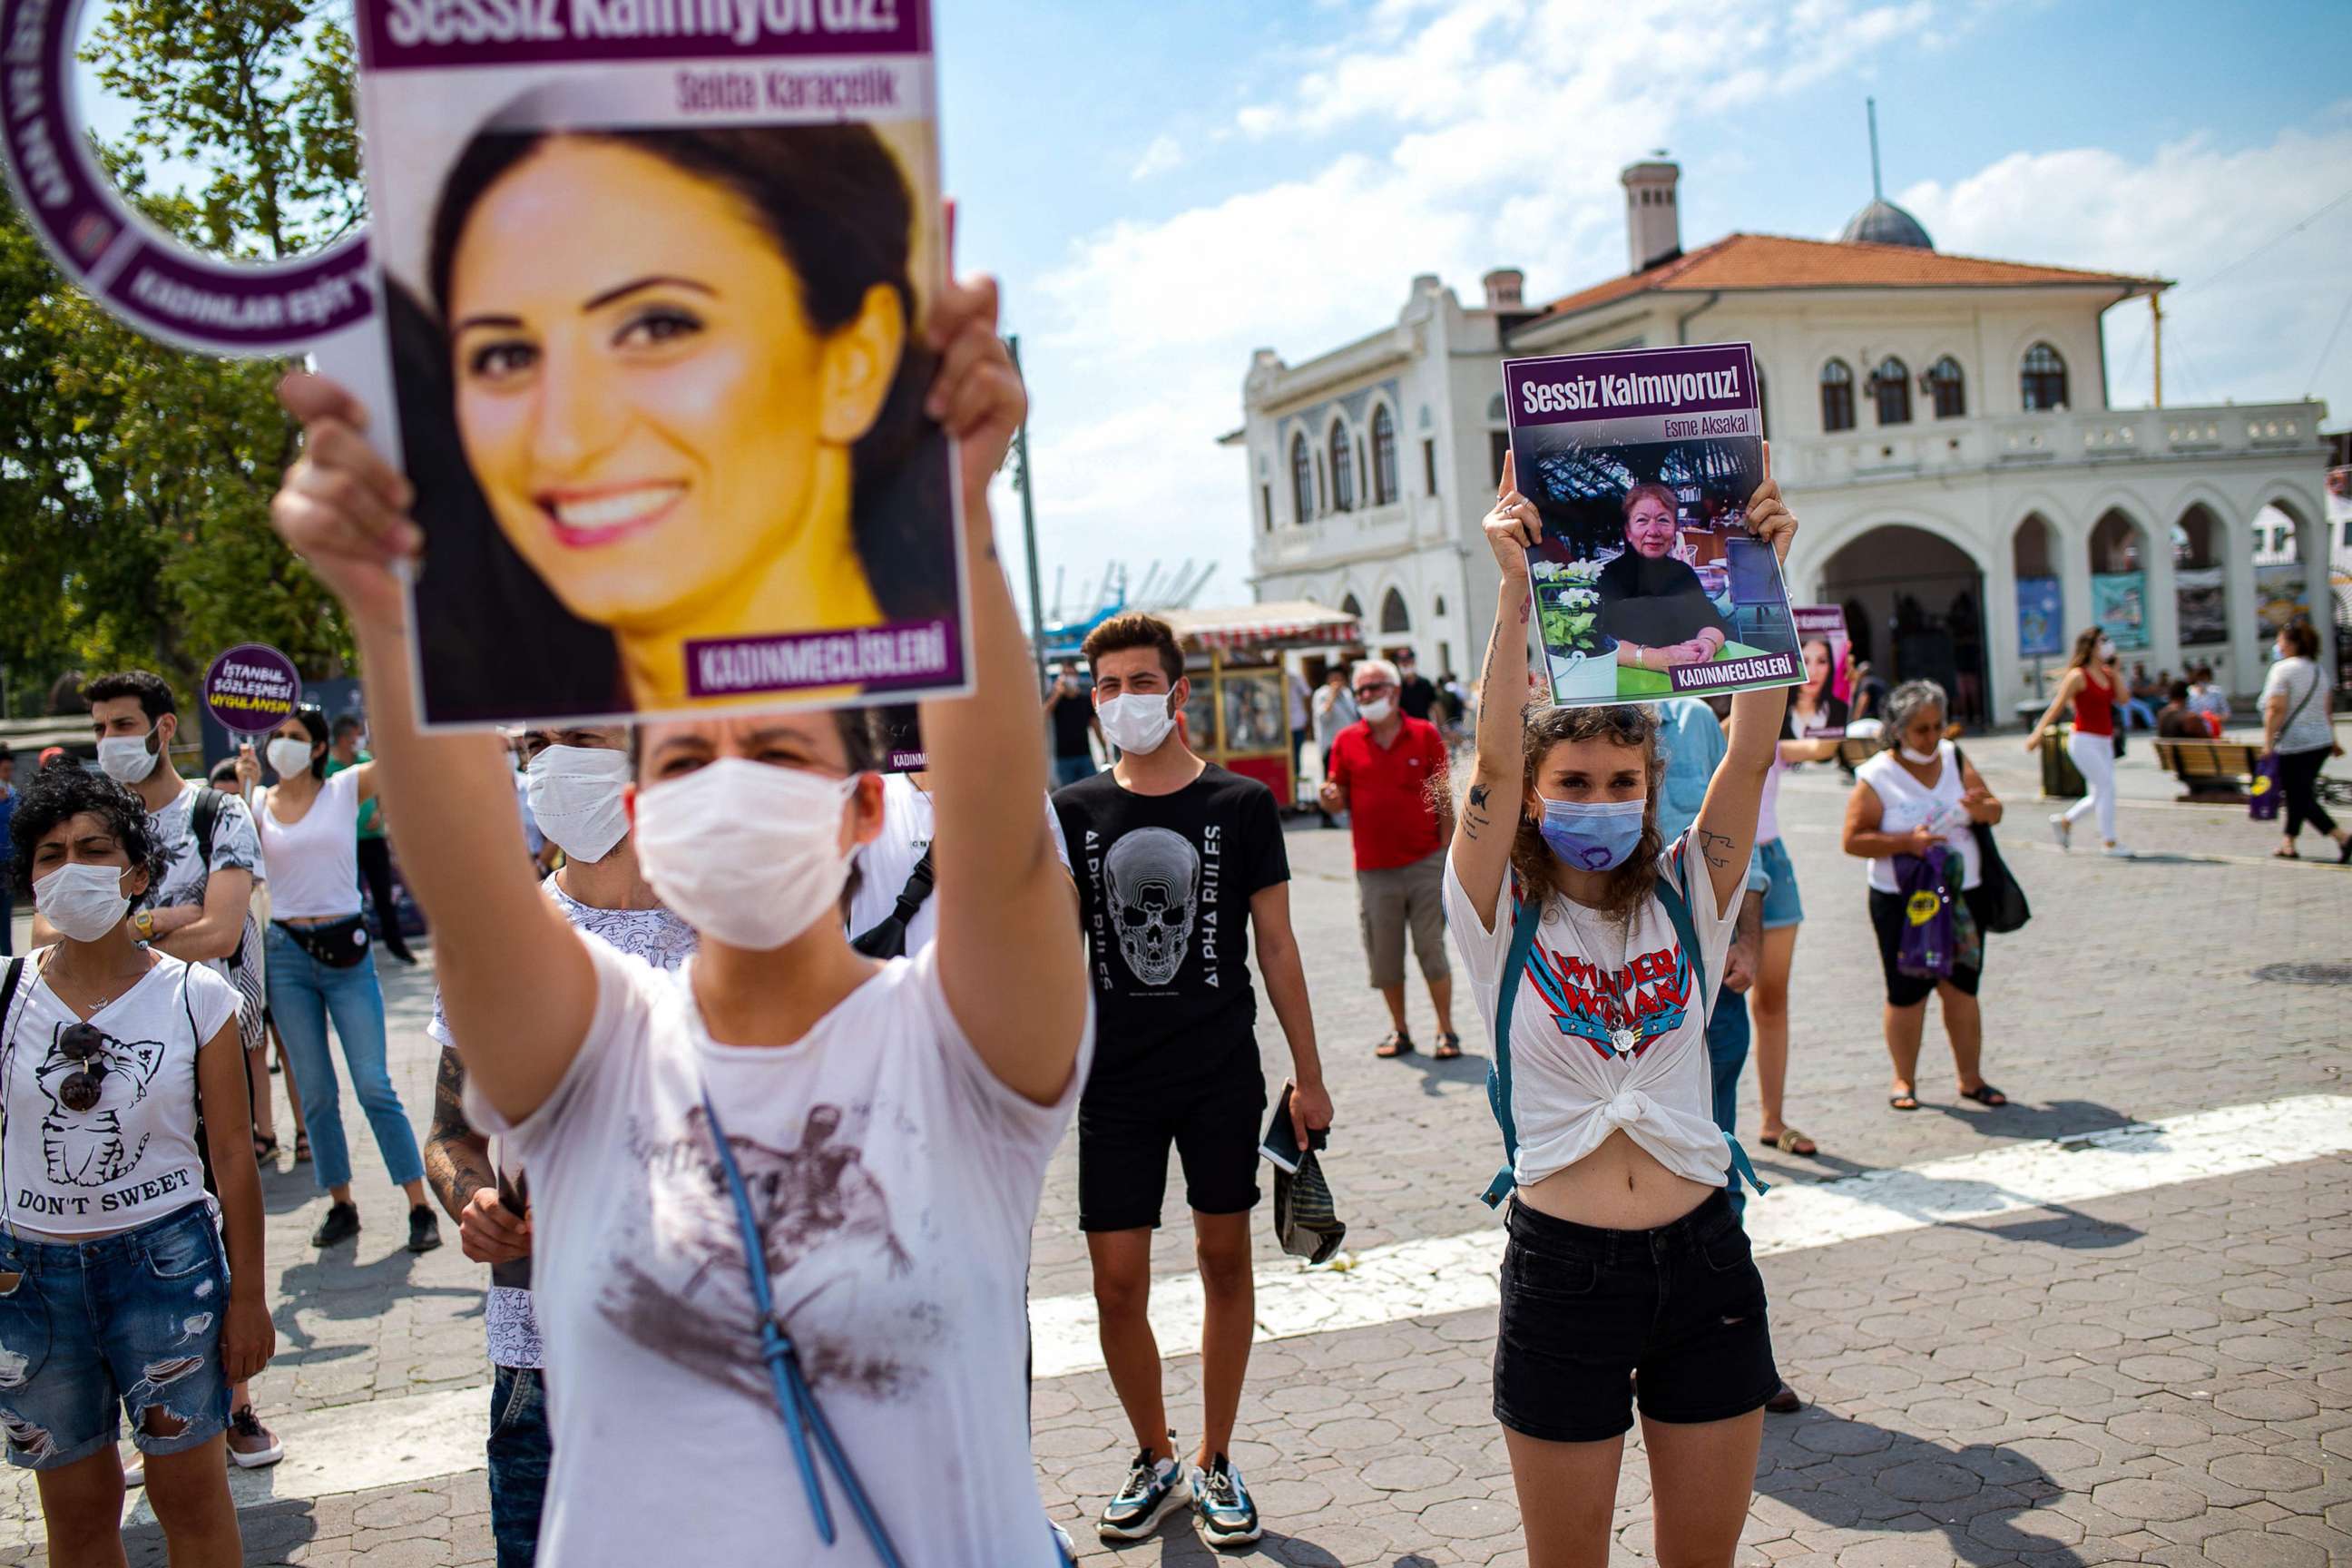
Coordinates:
(1503, 286)
(1654, 229)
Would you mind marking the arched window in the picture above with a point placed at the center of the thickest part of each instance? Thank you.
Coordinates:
(1949, 387)
(1349, 607)
(1837, 397)
(2041, 379)
(1302, 480)
(1384, 460)
(1394, 616)
(1343, 471)
(1890, 387)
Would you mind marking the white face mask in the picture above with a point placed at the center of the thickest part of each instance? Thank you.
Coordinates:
(1919, 759)
(575, 797)
(1137, 723)
(746, 853)
(83, 902)
(289, 757)
(2106, 648)
(126, 759)
(1378, 709)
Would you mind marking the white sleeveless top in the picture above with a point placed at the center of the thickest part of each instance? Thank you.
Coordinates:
(314, 864)
(1904, 803)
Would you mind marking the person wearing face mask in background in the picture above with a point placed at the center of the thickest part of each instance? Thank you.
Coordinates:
(2091, 687)
(578, 780)
(375, 848)
(1385, 777)
(1917, 793)
(1177, 859)
(321, 962)
(890, 912)
(1333, 710)
(877, 1132)
(128, 1291)
(1593, 946)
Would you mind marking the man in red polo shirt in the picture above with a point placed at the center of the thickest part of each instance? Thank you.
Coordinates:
(1387, 773)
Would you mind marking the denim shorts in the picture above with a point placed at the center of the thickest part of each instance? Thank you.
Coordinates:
(1782, 906)
(1585, 1309)
(90, 1329)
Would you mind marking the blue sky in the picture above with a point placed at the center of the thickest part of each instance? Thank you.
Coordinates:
(1164, 186)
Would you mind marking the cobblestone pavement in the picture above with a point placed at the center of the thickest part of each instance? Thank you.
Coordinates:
(2163, 1376)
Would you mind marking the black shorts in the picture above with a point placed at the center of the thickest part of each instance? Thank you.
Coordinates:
(1124, 1131)
(1910, 990)
(1585, 1309)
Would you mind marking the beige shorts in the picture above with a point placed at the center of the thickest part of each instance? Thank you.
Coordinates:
(1391, 901)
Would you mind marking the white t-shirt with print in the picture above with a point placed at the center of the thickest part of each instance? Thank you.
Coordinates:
(2297, 678)
(131, 1157)
(884, 866)
(662, 940)
(1587, 974)
(896, 1180)
(237, 847)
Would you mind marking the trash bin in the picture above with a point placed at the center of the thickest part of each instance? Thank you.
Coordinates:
(2060, 779)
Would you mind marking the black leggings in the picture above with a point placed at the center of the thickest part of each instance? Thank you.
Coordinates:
(2299, 778)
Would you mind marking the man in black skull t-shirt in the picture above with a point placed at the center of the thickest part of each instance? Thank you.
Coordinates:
(1174, 859)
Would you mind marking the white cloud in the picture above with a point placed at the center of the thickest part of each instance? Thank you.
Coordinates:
(2255, 302)
(1164, 154)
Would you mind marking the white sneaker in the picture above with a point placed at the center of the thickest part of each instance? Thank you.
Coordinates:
(2117, 850)
(2062, 831)
(1154, 1488)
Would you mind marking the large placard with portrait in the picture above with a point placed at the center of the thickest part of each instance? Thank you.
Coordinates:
(655, 277)
(1647, 581)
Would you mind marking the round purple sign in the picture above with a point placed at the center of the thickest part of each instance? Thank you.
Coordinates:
(143, 276)
(252, 689)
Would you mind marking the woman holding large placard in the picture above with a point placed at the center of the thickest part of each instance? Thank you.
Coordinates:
(1593, 949)
(877, 1132)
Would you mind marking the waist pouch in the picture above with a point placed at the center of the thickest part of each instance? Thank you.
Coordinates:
(341, 946)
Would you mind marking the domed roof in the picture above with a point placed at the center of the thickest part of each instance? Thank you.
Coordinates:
(1884, 223)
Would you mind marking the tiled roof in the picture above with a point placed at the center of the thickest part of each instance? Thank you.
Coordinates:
(1774, 261)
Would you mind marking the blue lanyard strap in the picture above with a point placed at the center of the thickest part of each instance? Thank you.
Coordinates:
(794, 1399)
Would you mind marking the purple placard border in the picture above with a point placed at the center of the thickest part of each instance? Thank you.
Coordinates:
(1701, 359)
(1733, 675)
(897, 656)
(137, 273)
(253, 653)
(865, 28)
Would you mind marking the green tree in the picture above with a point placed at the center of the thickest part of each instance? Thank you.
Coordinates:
(135, 480)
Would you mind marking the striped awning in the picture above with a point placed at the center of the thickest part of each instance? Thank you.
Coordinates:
(1289, 624)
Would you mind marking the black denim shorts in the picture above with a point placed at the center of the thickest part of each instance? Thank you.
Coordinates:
(1585, 1309)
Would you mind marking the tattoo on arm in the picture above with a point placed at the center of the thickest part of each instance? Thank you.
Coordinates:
(1524, 604)
(1478, 794)
(1715, 848)
(456, 1158)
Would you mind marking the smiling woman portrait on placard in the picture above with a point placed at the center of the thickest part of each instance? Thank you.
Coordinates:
(668, 386)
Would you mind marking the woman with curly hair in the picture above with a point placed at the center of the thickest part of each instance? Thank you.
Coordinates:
(116, 1294)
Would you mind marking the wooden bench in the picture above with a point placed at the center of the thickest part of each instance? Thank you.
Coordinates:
(2210, 769)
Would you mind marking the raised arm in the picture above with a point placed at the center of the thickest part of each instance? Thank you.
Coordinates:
(514, 976)
(1010, 954)
(1725, 833)
(1490, 818)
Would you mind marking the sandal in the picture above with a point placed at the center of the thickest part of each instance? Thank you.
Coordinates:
(301, 1148)
(1449, 1046)
(2284, 855)
(1398, 1044)
(1903, 1101)
(1789, 1141)
(1985, 1094)
(265, 1150)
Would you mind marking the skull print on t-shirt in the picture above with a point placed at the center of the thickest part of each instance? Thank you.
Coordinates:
(1165, 883)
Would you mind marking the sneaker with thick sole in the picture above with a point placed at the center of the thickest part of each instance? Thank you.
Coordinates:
(2062, 831)
(252, 1446)
(1228, 1517)
(1154, 1490)
(424, 1229)
(342, 1223)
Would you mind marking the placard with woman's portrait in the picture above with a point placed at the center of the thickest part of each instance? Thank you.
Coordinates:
(655, 281)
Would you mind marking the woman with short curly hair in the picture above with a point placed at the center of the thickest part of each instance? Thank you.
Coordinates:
(112, 1258)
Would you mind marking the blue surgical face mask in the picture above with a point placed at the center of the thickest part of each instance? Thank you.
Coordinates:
(1593, 835)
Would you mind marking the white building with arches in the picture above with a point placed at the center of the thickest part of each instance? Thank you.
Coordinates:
(1941, 422)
